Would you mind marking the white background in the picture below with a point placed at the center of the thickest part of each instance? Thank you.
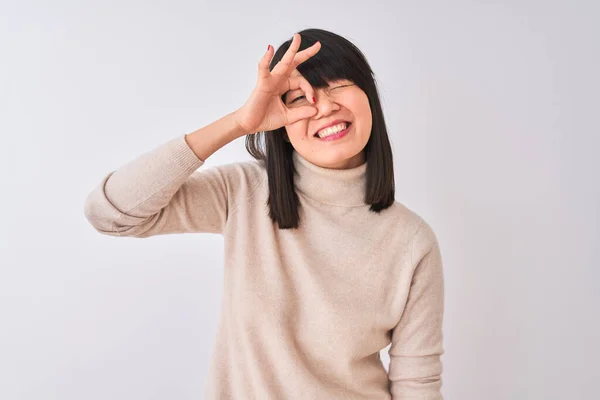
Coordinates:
(492, 108)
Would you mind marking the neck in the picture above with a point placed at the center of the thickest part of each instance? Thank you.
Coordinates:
(352, 162)
(341, 187)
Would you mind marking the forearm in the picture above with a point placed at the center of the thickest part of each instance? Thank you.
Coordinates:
(207, 140)
(130, 199)
(139, 189)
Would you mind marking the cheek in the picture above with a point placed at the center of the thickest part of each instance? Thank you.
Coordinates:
(364, 105)
(362, 110)
(358, 103)
(297, 130)
(362, 113)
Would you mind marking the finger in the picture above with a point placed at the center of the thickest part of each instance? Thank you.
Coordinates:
(296, 114)
(300, 82)
(306, 54)
(263, 65)
(284, 66)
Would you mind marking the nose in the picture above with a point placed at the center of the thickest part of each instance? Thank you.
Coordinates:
(324, 104)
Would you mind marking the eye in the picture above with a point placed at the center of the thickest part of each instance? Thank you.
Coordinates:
(297, 98)
(341, 86)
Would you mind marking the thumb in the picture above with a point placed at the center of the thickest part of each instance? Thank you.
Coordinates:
(299, 113)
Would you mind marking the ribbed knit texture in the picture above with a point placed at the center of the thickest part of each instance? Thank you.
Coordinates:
(305, 312)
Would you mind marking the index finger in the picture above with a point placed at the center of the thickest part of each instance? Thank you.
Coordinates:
(283, 66)
(307, 53)
(291, 59)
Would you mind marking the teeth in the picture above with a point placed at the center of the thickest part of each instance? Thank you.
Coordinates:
(332, 130)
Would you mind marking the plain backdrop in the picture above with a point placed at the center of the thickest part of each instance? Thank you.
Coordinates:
(492, 109)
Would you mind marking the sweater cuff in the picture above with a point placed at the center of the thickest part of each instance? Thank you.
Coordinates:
(183, 155)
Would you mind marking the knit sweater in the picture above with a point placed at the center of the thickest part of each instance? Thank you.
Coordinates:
(305, 311)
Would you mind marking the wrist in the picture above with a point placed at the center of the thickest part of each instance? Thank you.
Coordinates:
(240, 130)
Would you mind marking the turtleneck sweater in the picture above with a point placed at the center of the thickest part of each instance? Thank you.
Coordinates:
(305, 312)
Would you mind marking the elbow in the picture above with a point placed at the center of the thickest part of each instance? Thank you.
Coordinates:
(99, 211)
(107, 220)
(101, 219)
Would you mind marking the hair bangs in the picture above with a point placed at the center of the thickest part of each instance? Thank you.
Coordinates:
(333, 61)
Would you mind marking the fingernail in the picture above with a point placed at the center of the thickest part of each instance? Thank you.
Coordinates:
(314, 101)
(268, 47)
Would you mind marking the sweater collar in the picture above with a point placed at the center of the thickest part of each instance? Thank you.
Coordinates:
(340, 187)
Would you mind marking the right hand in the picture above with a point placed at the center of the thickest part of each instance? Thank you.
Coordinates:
(264, 110)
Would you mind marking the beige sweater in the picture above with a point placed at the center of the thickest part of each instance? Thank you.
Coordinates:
(305, 312)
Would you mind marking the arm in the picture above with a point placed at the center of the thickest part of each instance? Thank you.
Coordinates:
(415, 366)
(161, 192)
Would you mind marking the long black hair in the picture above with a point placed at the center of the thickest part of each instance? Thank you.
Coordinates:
(338, 58)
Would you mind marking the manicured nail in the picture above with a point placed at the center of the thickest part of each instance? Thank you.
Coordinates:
(314, 101)
(268, 47)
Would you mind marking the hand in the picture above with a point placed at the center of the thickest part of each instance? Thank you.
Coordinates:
(264, 110)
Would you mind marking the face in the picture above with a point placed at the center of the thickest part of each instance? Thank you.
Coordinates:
(342, 100)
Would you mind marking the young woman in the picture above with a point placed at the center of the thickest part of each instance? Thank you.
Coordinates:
(323, 268)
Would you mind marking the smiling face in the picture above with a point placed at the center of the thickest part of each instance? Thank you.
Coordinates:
(342, 101)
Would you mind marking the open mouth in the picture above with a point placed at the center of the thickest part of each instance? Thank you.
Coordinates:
(335, 135)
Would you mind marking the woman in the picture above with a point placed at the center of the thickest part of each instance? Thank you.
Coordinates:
(323, 268)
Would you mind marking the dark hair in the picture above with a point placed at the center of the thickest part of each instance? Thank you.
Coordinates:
(337, 59)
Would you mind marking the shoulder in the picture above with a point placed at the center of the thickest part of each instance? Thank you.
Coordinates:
(236, 180)
(418, 231)
(244, 173)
